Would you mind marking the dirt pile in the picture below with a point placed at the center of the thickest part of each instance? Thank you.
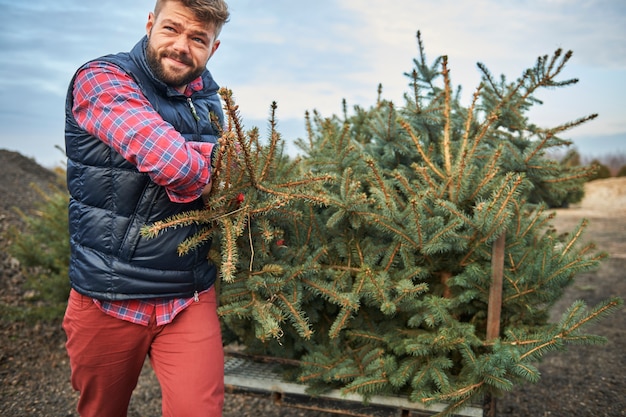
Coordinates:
(605, 195)
(19, 174)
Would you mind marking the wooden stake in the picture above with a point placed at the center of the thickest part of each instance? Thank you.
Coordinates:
(495, 292)
(495, 308)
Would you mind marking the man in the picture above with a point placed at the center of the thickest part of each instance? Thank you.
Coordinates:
(140, 137)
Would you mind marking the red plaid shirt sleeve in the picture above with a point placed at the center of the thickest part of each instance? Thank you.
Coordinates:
(109, 105)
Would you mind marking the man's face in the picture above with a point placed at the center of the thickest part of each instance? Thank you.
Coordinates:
(179, 46)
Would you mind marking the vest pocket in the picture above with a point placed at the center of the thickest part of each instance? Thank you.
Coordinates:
(137, 220)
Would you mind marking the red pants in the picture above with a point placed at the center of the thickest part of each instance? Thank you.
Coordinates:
(107, 355)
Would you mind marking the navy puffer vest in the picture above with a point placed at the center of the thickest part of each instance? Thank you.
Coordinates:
(110, 201)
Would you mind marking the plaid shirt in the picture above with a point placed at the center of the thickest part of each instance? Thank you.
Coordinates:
(109, 105)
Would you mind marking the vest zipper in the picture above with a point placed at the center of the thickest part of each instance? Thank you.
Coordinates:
(193, 109)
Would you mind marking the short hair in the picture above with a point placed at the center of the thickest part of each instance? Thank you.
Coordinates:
(210, 11)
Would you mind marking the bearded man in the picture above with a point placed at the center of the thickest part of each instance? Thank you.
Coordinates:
(140, 141)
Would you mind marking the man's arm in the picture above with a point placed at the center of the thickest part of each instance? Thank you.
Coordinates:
(109, 105)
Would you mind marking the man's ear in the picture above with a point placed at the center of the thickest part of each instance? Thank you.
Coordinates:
(150, 23)
(216, 45)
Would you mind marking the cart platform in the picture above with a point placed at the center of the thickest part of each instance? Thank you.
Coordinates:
(248, 376)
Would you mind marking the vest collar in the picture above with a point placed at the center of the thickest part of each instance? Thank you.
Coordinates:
(138, 54)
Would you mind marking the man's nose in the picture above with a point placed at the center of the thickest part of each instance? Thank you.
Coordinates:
(181, 44)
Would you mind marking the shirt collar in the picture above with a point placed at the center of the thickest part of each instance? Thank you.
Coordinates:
(195, 85)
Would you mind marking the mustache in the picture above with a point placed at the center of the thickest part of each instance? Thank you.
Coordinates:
(184, 58)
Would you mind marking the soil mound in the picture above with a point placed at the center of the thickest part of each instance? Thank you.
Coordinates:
(20, 174)
(607, 194)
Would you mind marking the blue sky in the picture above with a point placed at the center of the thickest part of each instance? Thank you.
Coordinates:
(310, 55)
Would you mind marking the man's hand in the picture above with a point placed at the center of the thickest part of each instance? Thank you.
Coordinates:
(207, 191)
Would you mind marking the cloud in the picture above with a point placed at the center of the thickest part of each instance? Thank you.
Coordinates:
(506, 29)
(298, 55)
(313, 55)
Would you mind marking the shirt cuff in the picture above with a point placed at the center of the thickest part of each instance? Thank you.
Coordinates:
(191, 193)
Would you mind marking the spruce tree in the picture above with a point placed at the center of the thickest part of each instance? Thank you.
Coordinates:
(369, 258)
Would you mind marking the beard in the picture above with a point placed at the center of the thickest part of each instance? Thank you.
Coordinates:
(171, 78)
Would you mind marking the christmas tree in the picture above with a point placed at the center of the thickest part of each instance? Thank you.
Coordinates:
(409, 249)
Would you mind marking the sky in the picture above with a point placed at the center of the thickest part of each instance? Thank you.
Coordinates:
(311, 55)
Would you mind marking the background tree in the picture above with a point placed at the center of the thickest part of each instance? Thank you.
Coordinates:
(41, 244)
(601, 171)
(572, 158)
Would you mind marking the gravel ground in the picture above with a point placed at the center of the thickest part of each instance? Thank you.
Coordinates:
(584, 381)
